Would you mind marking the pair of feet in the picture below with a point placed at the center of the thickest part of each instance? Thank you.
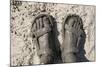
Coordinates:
(42, 30)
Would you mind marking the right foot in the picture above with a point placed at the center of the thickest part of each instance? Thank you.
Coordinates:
(42, 28)
(72, 32)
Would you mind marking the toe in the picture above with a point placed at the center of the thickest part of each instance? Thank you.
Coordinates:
(78, 26)
(34, 26)
(71, 22)
(41, 23)
(67, 27)
(38, 24)
(46, 21)
(75, 25)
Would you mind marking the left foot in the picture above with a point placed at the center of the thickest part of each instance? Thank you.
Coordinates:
(42, 31)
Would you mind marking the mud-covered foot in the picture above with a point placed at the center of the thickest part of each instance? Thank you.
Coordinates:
(73, 29)
(42, 31)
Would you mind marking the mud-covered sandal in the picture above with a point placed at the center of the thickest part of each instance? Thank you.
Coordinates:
(72, 32)
(41, 31)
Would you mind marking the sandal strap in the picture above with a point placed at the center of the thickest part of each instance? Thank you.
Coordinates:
(73, 30)
(44, 31)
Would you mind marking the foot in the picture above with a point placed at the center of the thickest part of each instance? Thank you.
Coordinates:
(72, 32)
(42, 30)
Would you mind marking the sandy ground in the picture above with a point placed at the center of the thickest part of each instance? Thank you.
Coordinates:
(23, 49)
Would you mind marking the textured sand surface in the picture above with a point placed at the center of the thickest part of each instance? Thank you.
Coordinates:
(23, 49)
